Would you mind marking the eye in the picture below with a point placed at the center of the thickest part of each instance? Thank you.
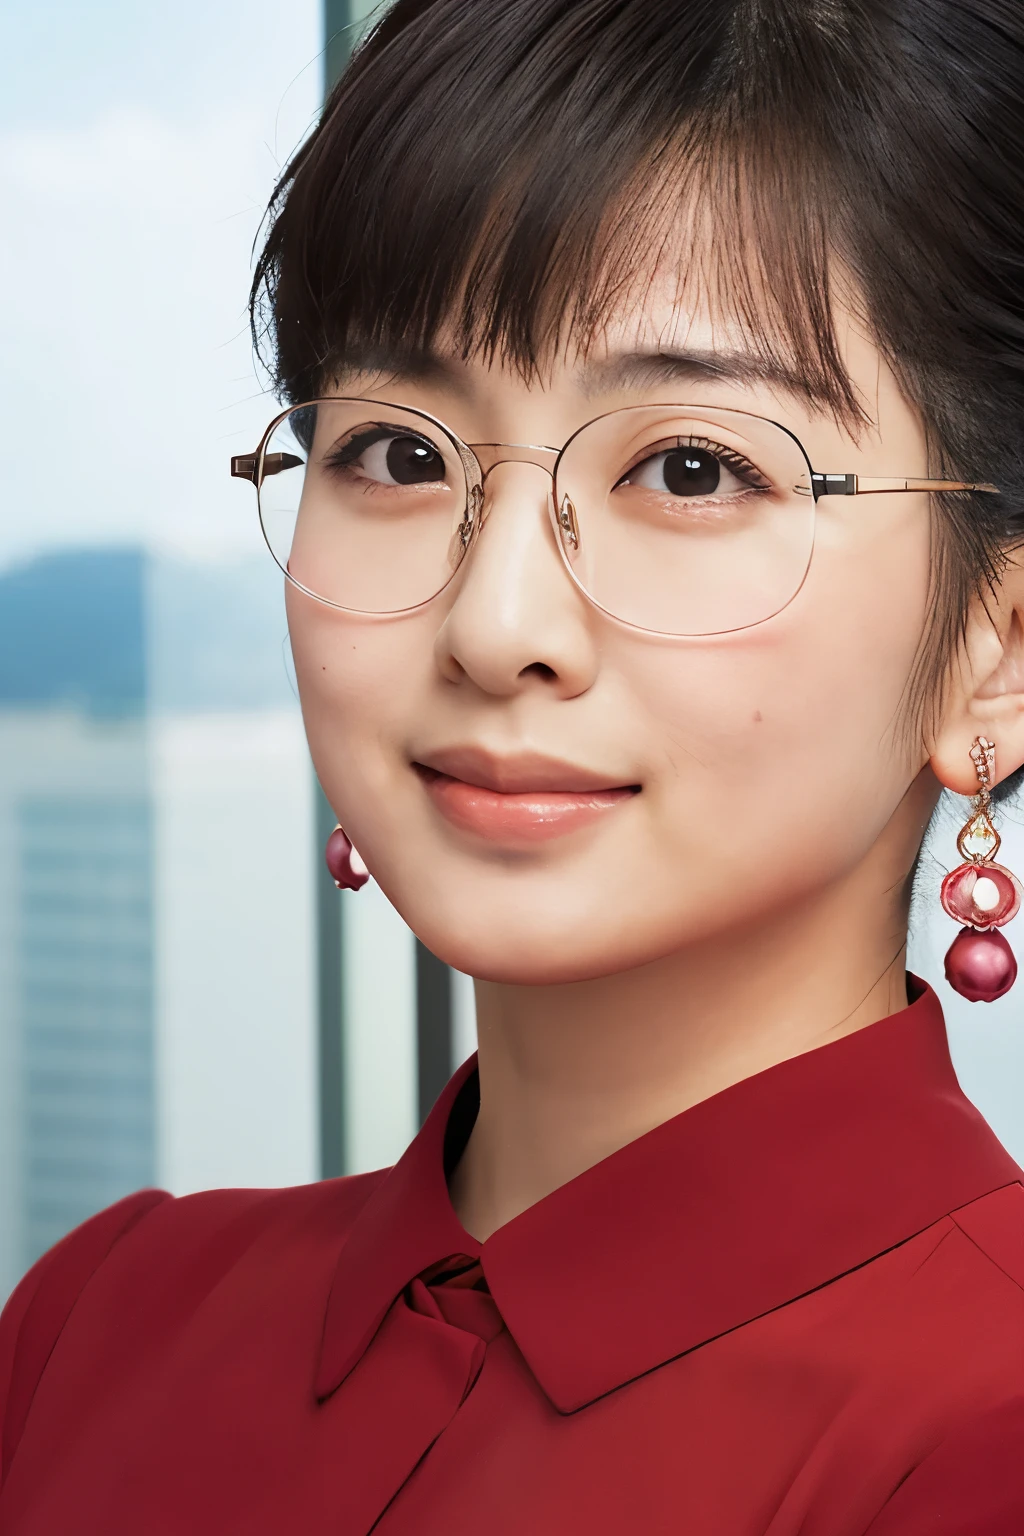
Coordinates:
(694, 470)
(389, 456)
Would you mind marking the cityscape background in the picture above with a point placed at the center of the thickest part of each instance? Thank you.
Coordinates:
(184, 999)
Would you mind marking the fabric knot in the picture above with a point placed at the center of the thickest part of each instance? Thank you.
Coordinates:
(455, 1291)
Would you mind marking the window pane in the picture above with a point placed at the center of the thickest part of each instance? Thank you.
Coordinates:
(157, 932)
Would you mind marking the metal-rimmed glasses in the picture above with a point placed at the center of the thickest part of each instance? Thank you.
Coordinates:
(676, 519)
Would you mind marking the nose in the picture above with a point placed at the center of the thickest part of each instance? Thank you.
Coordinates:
(516, 620)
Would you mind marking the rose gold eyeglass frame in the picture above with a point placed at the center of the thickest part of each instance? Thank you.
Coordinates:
(479, 459)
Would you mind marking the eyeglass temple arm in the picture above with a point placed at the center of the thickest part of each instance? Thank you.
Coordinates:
(246, 466)
(865, 485)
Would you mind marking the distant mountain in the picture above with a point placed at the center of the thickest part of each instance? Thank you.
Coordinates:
(119, 631)
(73, 631)
(217, 637)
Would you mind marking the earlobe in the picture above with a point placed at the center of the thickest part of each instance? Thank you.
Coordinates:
(986, 693)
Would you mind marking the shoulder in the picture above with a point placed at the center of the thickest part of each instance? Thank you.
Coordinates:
(34, 1316)
(191, 1241)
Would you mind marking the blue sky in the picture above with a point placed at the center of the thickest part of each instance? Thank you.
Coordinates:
(64, 61)
(138, 147)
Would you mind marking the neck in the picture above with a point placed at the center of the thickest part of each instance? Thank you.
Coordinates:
(571, 1073)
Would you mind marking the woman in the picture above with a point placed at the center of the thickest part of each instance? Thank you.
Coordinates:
(650, 503)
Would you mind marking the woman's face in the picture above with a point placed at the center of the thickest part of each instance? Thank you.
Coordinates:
(548, 795)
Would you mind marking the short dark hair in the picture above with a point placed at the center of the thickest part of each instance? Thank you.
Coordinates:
(502, 171)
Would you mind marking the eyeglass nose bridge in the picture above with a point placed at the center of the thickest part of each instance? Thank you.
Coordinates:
(490, 455)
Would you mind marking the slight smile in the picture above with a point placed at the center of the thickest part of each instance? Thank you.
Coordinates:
(527, 799)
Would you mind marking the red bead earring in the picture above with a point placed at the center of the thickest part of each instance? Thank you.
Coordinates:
(347, 868)
(980, 965)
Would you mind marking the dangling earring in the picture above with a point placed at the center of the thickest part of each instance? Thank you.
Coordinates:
(345, 865)
(980, 965)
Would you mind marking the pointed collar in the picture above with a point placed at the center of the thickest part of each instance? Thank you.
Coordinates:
(748, 1200)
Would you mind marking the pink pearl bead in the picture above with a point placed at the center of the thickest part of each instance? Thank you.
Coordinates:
(980, 966)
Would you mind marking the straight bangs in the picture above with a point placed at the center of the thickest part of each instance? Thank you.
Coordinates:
(511, 201)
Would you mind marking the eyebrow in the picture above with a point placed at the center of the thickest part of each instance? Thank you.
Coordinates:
(633, 370)
(417, 365)
(646, 370)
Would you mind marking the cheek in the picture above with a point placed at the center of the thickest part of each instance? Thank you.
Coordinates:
(360, 683)
(788, 735)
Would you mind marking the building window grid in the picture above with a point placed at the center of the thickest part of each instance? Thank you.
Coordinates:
(85, 1003)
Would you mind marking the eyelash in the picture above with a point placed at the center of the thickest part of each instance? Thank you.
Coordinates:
(348, 453)
(344, 456)
(733, 461)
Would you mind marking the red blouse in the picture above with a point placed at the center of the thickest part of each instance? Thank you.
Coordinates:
(796, 1308)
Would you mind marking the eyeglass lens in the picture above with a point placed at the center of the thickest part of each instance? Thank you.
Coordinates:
(684, 520)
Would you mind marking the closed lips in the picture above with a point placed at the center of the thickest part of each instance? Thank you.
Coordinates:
(518, 800)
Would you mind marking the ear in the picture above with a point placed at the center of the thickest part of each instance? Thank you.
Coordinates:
(985, 696)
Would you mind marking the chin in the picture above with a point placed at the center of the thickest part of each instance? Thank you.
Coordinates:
(534, 939)
(537, 964)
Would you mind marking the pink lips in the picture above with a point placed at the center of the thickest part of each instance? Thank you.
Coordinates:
(525, 799)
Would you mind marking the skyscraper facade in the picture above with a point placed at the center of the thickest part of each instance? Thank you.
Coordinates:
(146, 721)
(76, 919)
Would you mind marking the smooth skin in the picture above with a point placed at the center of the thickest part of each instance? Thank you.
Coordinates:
(750, 902)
